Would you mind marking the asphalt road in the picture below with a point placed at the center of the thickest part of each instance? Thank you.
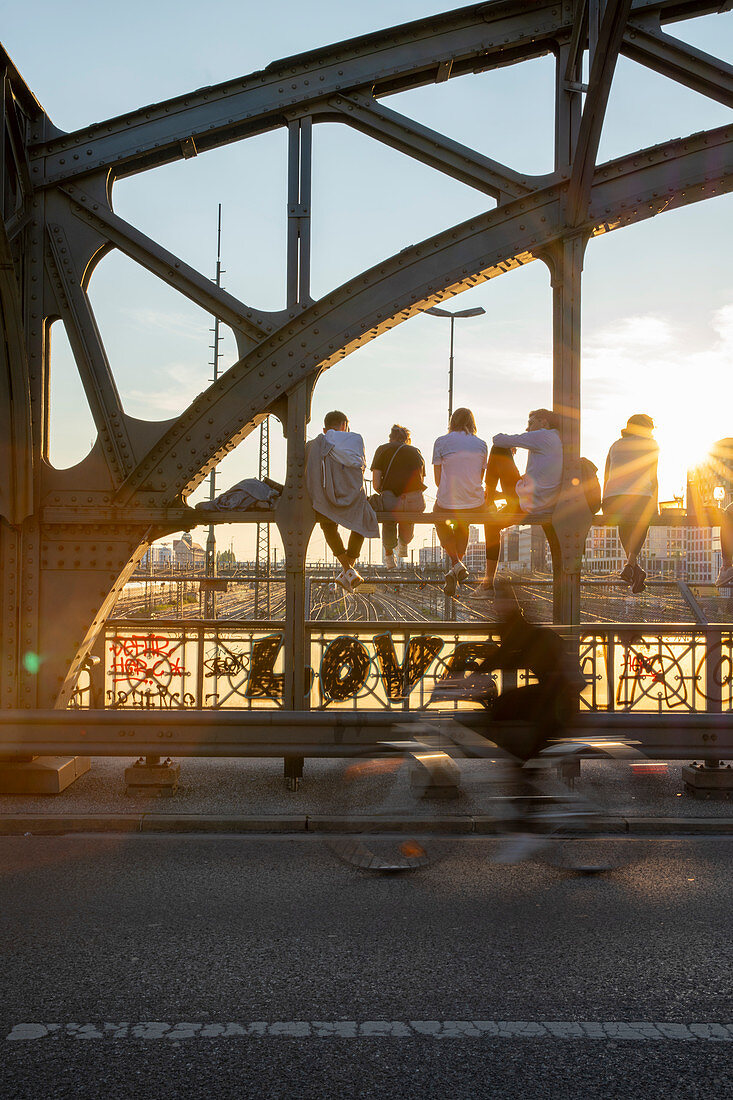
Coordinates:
(271, 969)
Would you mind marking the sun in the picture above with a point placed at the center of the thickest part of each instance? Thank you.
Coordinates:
(684, 443)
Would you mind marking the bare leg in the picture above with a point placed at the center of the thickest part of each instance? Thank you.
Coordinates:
(447, 538)
(492, 537)
(501, 469)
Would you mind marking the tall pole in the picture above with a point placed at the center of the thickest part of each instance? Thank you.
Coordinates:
(435, 311)
(210, 595)
(262, 556)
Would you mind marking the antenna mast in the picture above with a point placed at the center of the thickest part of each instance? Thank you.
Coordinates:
(210, 594)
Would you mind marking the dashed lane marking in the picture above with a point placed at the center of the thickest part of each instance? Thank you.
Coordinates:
(636, 1030)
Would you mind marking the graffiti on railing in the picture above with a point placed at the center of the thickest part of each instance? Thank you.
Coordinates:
(159, 671)
(659, 677)
(147, 671)
(658, 671)
(230, 668)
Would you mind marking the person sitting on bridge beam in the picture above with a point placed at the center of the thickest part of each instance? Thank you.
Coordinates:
(534, 493)
(725, 576)
(459, 461)
(630, 491)
(334, 477)
(398, 475)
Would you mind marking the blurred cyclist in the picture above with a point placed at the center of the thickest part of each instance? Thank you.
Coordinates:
(542, 710)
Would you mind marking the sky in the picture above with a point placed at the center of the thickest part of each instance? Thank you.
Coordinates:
(657, 297)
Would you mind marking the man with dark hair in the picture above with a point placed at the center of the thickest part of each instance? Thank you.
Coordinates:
(398, 475)
(336, 420)
(531, 494)
(334, 477)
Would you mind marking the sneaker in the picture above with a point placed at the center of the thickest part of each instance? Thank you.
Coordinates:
(627, 574)
(482, 592)
(450, 584)
(355, 579)
(638, 585)
(389, 561)
(460, 572)
(340, 579)
(401, 549)
(725, 577)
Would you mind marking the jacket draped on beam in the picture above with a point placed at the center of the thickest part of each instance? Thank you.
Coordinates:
(336, 490)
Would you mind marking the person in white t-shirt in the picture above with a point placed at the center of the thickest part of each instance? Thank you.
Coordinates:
(534, 493)
(459, 461)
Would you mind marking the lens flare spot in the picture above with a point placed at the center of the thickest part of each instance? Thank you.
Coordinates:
(31, 662)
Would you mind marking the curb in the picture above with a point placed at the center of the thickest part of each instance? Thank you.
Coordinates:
(296, 824)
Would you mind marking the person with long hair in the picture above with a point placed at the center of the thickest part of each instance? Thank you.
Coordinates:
(459, 462)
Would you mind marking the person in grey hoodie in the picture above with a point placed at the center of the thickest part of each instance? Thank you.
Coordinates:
(334, 478)
(630, 491)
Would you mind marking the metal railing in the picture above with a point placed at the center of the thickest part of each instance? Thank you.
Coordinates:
(177, 665)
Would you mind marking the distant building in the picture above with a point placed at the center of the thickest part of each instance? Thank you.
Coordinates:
(431, 555)
(187, 552)
(668, 553)
(161, 554)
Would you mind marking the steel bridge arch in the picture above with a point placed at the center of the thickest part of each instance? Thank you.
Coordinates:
(397, 288)
(76, 535)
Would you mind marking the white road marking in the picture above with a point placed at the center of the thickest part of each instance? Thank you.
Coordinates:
(642, 1030)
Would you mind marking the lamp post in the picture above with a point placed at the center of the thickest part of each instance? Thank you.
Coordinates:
(434, 311)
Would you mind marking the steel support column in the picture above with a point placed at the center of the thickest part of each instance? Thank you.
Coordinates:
(300, 144)
(295, 522)
(568, 102)
(566, 268)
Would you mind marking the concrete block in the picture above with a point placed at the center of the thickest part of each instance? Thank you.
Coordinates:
(42, 775)
(705, 782)
(152, 780)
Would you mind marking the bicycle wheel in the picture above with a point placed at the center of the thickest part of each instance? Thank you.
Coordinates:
(375, 800)
(585, 825)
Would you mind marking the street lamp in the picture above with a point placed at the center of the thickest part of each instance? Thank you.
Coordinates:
(434, 311)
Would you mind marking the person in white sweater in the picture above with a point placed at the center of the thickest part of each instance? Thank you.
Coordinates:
(533, 493)
(630, 491)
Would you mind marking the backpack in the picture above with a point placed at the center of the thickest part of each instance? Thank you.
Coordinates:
(591, 485)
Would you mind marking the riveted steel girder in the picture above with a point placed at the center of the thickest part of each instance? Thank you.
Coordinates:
(646, 43)
(474, 39)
